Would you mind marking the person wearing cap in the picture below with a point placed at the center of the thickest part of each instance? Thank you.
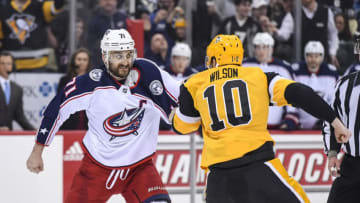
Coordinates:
(264, 47)
(317, 74)
(259, 8)
(178, 33)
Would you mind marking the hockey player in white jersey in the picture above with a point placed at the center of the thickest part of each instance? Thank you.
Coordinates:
(124, 101)
(317, 74)
(264, 46)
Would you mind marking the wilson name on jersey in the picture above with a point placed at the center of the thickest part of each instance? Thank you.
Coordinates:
(232, 104)
(123, 118)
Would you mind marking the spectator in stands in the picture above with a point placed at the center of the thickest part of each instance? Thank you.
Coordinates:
(201, 35)
(259, 8)
(242, 25)
(342, 26)
(346, 45)
(282, 31)
(316, 20)
(143, 13)
(264, 44)
(179, 33)
(218, 11)
(180, 62)
(60, 31)
(106, 16)
(79, 65)
(317, 74)
(23, 31)
(164, 16)
(144, 5)
(11, 102)
(159, 51)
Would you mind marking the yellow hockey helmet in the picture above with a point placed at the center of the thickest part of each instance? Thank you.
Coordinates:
(225, 49)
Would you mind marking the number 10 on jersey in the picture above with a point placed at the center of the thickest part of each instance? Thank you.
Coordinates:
(228, 101)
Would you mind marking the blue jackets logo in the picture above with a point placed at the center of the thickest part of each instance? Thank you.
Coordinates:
(156, 87)
(124, 123)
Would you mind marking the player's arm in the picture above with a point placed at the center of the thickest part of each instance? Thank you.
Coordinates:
(186, 118)
(283, 92)
(66, 102)
(331, 146)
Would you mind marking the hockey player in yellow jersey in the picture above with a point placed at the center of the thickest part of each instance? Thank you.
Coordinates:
(231, 103)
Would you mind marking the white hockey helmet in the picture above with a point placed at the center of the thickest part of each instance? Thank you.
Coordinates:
(314, 47)
(117, 40)
(263, 38)
(181, 49)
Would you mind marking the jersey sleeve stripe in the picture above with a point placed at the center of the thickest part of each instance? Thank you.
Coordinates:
(277, 89)
(183, 127)
(51, 134)
(271, 86)
(185, 118)
(171, 96)
(84, 94)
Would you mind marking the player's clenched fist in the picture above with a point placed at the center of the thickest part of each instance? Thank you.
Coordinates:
(35, 163)
(342, 134)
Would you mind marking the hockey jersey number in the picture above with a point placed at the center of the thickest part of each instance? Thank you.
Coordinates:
(230, 107)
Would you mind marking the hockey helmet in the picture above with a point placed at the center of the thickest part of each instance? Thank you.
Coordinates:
(225, 49)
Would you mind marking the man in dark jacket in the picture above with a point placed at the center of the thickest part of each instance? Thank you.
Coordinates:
(11, 103)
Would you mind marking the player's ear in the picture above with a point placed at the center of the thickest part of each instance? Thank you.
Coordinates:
(213, 62)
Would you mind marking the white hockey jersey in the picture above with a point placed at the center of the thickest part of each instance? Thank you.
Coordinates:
(123, 118)
(323, 83)
(277, 66)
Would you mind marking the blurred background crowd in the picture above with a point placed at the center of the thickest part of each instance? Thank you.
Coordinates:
(310, 41)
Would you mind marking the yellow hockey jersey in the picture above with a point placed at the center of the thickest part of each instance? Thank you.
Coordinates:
(231, 103)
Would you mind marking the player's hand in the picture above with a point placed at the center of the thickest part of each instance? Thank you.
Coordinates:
(35, 162)
(334, 166)
(342, 134)
(179, 11)
(161, 15)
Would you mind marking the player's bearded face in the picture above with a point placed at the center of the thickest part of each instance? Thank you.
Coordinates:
(120, 63)
(314, 61)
